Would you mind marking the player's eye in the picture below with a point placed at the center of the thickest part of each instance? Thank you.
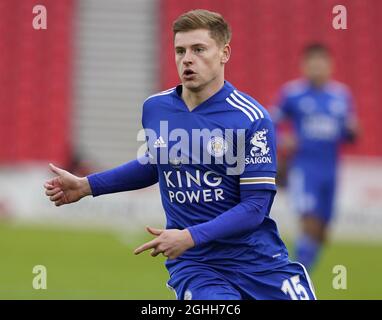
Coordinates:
(180, 51)
(199, 50)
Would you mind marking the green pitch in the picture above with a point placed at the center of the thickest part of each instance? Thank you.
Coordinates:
(101, 265)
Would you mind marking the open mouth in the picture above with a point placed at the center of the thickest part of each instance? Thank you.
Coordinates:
(188, 72)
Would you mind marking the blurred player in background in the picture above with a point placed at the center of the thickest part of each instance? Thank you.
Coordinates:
(322, 116)
(219, 239)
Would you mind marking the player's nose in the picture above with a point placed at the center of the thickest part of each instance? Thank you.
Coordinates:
(187, 58)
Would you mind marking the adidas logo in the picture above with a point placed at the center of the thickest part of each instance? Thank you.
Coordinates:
(160, 143)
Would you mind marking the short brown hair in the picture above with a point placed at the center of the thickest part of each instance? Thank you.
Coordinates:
(219, 29)
(313, 49)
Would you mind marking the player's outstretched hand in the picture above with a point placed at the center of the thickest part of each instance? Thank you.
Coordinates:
(65, 187)
(172, 242)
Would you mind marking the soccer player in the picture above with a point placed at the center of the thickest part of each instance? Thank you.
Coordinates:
(322, 115)
(220, 240)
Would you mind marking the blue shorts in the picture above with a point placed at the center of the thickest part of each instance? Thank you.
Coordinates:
(202, 282)
(312, 193)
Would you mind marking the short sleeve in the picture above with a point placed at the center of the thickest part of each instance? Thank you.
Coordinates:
(351, 114)
(282, 108)
(350, 119)
(260, 157)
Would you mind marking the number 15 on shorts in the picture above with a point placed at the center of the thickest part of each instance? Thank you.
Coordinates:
(294, 288)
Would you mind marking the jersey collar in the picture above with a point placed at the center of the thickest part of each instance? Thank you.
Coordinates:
(218, 96)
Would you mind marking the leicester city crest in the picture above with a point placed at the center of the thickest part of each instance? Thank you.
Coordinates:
(217, 146)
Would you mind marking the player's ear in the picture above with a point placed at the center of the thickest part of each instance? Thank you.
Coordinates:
(226, 53)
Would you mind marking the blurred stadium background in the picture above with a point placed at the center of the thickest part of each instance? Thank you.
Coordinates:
(72, 95)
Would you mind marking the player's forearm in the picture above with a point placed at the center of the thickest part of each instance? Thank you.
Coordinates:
(351, 132)
(243, 218)
(129, 176)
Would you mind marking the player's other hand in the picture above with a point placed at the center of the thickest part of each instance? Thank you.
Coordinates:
(172, 242)
(65, 187)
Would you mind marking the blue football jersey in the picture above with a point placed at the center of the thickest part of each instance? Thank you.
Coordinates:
(320, 117)
(205, 158)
